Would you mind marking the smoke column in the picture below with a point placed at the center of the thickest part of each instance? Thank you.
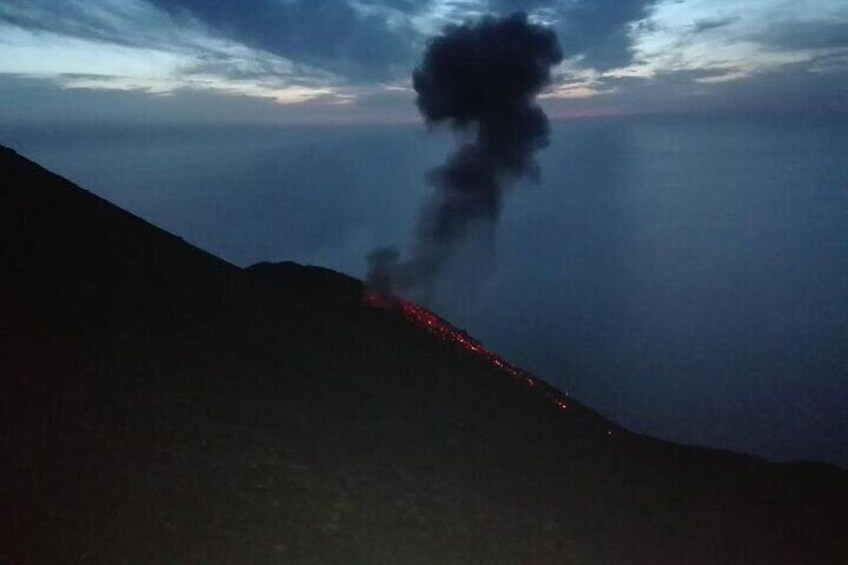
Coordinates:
(479, 79)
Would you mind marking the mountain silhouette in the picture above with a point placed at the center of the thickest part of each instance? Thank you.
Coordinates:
(161, 405)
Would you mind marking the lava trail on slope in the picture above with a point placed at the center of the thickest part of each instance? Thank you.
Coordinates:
(437, 326)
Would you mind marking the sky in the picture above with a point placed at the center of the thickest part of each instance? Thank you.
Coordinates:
(350, 61)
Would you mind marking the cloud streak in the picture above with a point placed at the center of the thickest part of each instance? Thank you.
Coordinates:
(328, 34)
(597, 32)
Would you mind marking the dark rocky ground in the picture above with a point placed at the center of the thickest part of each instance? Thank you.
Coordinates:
(163, 406)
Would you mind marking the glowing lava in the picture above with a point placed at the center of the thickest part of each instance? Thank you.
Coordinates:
(442, 329)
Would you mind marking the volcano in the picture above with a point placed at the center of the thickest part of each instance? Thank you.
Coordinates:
(161, 405)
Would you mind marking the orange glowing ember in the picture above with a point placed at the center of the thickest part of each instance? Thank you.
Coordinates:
(430, 322)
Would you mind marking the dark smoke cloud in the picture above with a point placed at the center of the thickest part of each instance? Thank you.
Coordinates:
(480, 79)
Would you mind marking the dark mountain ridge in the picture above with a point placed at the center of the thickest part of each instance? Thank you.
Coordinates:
(162, 405)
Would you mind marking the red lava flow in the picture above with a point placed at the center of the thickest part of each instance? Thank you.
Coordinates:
(423, 318)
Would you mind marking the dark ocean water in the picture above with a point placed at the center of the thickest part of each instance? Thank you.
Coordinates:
(688, 279)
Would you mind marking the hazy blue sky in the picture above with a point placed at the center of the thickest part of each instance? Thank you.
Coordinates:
(350, 60)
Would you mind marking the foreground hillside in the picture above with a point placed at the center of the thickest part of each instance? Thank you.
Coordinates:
(163, 406)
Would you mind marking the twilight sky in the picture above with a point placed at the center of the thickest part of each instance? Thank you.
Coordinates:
(340, 61)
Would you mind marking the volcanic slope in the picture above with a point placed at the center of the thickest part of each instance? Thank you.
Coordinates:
(163, 406)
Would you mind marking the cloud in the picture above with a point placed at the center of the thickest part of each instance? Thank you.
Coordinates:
(600, 32)
(131, 23)
(132, 45)
(337, 36)
(821, 34)
(708, 24)
(355, 40)
(239, 64)
(96, 100)
(810, 87)
(815, 87)
(405, 6)
(337, 52)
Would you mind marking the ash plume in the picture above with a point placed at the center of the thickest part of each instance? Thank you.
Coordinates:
(480, 79)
